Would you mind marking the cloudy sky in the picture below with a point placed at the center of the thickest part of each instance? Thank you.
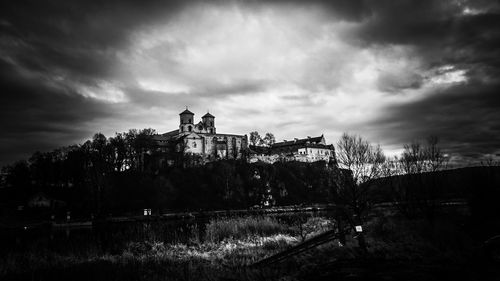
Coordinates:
(391, 71)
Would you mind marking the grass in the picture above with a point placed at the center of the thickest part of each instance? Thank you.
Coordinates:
(148, 261)
(228, 245)
(242, 228)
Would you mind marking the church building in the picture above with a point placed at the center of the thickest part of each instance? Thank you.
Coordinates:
(202, 139)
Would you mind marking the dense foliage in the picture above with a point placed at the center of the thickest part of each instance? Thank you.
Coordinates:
(126, 173)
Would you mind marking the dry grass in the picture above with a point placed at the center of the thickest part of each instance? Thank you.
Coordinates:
(242, 228)
(230, 244)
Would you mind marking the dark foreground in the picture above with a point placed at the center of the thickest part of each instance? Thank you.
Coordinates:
(447, 248)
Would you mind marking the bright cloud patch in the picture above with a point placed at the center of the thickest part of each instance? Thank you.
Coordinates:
(292, 61)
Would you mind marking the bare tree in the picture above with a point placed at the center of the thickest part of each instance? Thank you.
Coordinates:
(366, 162)
(416, 190)
(359, 156)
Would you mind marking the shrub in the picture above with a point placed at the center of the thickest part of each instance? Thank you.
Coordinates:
(144, 248)
(308, 227)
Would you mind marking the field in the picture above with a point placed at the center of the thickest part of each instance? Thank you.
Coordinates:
(224, 248)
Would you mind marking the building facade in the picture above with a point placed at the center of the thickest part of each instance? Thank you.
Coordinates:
(202, 139)
(310, 149)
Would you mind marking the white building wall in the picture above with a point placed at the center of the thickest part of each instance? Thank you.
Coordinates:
(194, 145)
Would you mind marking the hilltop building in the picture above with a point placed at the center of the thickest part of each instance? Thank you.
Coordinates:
(202, 139)
(310, 149)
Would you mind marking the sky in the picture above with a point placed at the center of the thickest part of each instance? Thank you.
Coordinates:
(390, 71)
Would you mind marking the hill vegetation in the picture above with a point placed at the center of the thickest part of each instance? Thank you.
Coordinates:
(125, 173)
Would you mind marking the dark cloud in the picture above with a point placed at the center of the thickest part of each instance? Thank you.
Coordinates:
(46, 48)
(75, 38)
(440, 31)
(465, 117)
(462, 34)
(35, 115)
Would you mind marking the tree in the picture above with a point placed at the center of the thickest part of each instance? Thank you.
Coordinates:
(119, 154)
(362, 158)
(99, 166)
(416, 189)
(489, 160)
(365, 162)
(255, 138)
(269, 139)
(144, 144)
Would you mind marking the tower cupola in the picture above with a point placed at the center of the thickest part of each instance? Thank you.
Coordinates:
(208, 121)
(187, 117)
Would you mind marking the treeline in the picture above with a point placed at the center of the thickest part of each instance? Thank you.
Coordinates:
(127, 172)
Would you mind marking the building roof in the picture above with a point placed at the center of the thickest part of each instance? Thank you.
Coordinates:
(186, 112)
(208, 115)
(308, 140)
(296, 147)
(171, 133)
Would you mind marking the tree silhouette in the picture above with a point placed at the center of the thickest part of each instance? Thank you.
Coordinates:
(255, 138)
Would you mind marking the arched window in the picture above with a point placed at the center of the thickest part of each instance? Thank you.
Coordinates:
(182, 129)
(211, 131)
(189, 128)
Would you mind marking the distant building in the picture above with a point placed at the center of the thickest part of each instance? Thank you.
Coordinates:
(310, 149)
(202, 139)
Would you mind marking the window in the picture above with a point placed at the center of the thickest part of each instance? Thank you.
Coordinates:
(182, 129)
(211, 123)
(189, 120)
(194, 144)
(189, 128)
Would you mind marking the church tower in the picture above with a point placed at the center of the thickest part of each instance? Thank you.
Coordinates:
(186, 118)
(208, 121)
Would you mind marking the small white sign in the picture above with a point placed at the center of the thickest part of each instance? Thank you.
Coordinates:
(359, 228)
